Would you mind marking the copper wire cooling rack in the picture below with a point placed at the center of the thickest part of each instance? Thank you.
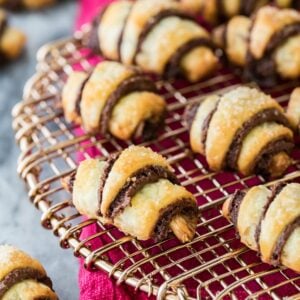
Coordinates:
(212, 266)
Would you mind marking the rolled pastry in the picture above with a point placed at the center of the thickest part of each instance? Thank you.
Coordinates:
(136, 191)
(155, 35)
(216, 11)
(288, 3)
(12, 40)
(293, 110)
(268, 221)
(114, 99)
(267, 46)
(243, 130)
(29, 4)
(22, 277)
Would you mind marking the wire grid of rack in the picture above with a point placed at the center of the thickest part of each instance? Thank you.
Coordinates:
(214, 264)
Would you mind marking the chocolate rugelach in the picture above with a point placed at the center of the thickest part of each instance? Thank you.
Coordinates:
(268, 221)
(22, 276)
(130, 93)
(136, 191)
(227, 146)
(135, 25)
(258, 56)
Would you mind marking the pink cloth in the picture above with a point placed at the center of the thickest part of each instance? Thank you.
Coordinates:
(97, 285)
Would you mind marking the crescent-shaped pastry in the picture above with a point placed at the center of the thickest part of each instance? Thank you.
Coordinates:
(22, 277)
(267, 46)
(12, 40)
(268, 221)
(244, 129)
(29, 4)
(114, 99)
(136, 191)
(293, 110)
(155, 35)
(216, 11)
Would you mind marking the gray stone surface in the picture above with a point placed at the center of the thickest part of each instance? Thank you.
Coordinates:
(19, 220)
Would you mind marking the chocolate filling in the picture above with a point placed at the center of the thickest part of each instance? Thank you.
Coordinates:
(206, 124)
(173, 68)
(109, 164)
(79, 96)
(267, 115)
(247, 7)
(181, 207)
(264, 158)
(152, 22)
(150, 128)
(280, 243)
(136, 182)
(190, 114)
(132, 84)
(21, 274)
(235, 205)
(277, 188)
(93, 39)
(264, 70)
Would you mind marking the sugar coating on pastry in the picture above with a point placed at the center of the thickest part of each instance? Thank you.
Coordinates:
(165, 38)
(70, 94)
(293, 109)
(269, 20)
(112, 24)
(103, 81)
(268, 221)
(238, 106)
(237, 35)
(12, 258)
(287, 58)
(281, 212)
(141, 12)
(139, 107)
(130, 160)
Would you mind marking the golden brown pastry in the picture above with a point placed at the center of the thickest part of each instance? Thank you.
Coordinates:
(215, 11)
(136, 191)
(293, 110)
(12, 40)
(244, 130)
(114, 99)
(155, 35)
(267, 46)
(268, 221)
(288, 3)
(22, 277)
(29, 4)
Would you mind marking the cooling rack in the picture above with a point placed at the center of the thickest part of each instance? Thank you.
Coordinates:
(212, 266)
